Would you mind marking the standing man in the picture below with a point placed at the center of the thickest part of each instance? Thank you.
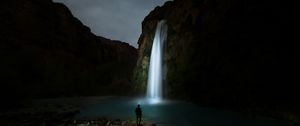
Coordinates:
(138, 113)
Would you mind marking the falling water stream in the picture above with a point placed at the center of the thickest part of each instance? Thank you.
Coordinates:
(154, 89)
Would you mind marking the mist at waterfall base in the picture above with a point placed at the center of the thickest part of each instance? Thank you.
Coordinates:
(154, 88)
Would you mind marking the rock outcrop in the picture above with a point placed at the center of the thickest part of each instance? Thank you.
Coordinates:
(46, 52)
(224, 54)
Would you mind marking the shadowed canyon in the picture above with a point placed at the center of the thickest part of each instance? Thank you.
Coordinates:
(220, 55)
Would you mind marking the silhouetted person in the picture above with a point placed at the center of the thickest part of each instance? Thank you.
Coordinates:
(138, 113)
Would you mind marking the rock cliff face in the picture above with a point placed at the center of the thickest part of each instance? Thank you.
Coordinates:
(46, 52)
(224, 54)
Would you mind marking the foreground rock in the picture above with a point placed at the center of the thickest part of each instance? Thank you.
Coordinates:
(107, 122)
(61, 119)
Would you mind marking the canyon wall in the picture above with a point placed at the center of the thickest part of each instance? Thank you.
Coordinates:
(224, 54)
(46, 52)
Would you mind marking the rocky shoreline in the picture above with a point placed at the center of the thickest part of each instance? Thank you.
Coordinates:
(62, 119)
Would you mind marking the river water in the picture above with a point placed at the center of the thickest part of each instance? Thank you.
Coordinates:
(165, 113)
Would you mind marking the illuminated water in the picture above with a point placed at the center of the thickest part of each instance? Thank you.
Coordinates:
(165, 113)
(154, 89)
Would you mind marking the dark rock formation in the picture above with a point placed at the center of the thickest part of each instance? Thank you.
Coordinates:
(225, 54)
(46, 52)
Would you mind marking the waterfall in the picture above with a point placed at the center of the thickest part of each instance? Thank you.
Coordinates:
(154, 89)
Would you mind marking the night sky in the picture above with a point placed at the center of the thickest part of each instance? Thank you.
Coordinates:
(113, 19)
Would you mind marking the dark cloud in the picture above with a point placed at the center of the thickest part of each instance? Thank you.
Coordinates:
(114, 19)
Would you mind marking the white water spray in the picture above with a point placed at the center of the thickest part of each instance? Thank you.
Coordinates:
(154, 89)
